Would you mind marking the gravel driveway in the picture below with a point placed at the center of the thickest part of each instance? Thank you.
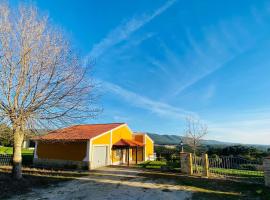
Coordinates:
(112, 183)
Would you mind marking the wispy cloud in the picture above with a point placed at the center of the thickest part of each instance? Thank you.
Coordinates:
(216, 48)
(159, 108)
(124, 30)
(209, 92)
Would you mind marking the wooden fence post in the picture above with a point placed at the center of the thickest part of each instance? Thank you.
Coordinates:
(205, 166)
(186, 163)
(266, 167)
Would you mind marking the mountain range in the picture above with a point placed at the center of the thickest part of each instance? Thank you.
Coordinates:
(176, 139)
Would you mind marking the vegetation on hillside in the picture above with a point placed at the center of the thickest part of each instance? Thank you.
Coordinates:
(247, 152)
(168, 139)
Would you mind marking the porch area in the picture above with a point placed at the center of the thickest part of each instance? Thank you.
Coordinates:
(127, 152)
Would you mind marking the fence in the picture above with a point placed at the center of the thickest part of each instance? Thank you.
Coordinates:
(225, 167)
(235, 167)
(5, 159)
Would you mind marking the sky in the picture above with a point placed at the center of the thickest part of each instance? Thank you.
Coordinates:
(160, 61)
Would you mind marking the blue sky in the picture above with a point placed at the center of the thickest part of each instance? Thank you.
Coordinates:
(160, 61)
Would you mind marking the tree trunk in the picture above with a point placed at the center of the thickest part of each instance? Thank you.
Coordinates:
(17, 154)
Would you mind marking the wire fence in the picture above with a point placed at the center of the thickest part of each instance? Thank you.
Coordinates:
(235, 167)
(229, 167)
(5, 159)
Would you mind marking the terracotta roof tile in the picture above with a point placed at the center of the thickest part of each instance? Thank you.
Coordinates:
(78, 132)
(127, 143)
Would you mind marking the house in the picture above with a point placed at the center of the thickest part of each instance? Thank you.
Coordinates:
(27, 143)
(92, 146)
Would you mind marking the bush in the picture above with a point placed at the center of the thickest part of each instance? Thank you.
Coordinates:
(27, 159)
(174, 164)
(152, 164)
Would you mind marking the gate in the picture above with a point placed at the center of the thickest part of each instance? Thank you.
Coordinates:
(197, 165)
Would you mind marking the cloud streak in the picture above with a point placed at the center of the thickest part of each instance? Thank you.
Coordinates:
(159, 108)
(123, 31)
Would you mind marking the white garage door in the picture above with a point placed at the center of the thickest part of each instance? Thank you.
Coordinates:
(100, 156)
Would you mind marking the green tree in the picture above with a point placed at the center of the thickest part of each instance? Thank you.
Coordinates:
(6, 135)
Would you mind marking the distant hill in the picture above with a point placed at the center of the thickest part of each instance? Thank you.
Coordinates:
(175, 140)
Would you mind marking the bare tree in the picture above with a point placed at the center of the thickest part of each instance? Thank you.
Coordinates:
(194, 133)
(42, 80)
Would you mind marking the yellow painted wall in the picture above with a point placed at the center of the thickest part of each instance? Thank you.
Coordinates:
(125, 133)
(149, 147)
(117, 134)
(104, 139)
(75, 151)
(121, 133)
(140, 154)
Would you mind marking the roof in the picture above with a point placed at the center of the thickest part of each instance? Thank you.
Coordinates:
(128, 143)
(78, 132)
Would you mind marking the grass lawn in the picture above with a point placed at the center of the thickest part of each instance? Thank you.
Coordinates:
(9, 150)
(237, 172)
(27, 154)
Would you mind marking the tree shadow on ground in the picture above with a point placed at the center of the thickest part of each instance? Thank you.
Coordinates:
(114, 177)
(207, 188)
(10, 187)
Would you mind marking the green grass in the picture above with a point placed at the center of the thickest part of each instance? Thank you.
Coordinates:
(9, 150)
(153, 164)
(27, 154)
(238, 172)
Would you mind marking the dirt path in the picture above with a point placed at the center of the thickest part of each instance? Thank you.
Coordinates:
(111, 183)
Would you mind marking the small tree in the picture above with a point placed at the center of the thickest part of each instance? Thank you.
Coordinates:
(42, 81)
(6, 135)
(194, 133)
